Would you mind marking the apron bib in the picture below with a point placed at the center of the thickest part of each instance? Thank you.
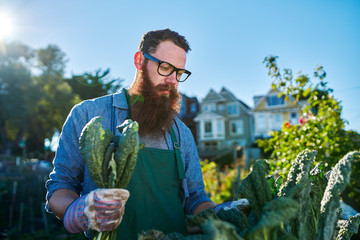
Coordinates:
(154, 201)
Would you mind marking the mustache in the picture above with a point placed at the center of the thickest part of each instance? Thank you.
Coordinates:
(165, 87)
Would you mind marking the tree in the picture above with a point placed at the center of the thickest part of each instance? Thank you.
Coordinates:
(95, 85)
(35, 97)
(51, 60)
(320, 128)
(54, 98)
(16, 86)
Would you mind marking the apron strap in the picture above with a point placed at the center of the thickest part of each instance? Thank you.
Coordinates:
(179, 161)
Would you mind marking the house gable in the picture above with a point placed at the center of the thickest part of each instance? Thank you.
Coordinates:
(213, 96)
(262, 103)
(231, 98)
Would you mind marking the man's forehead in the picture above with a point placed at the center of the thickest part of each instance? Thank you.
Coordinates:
(169, 52)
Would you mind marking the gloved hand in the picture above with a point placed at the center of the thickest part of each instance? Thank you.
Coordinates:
(101, 210)
(241, 204)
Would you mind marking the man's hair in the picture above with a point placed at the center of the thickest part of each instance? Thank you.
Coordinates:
(151, 40)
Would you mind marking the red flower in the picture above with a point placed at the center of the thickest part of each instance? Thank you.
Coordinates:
(287, 125)
(301, 121)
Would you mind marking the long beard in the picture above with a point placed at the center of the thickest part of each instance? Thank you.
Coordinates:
(151, 109)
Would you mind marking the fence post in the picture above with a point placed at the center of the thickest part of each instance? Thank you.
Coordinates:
(44, 217)
(12, 207)
(31, 217)
(21, 216)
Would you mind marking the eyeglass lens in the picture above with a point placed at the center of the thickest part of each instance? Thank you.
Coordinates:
(167, 69)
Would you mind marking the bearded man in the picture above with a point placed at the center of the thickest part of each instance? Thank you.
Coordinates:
(167, 182)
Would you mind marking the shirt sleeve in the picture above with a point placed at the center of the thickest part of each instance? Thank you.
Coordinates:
(194, 189)
(68, 169)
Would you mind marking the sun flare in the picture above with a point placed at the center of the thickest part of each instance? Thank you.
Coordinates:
(6, 26)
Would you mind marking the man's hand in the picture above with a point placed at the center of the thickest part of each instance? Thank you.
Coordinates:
(101, 210)
(240, 204)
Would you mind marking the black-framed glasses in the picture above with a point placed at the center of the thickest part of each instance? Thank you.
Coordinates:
(166, 69)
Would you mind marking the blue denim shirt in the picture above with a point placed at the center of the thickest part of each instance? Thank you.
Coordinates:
(70, 171)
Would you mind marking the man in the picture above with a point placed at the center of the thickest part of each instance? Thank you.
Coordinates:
(167, 181)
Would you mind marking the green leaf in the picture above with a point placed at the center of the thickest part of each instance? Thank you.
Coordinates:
(93, 143)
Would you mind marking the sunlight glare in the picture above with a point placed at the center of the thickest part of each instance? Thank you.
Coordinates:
(6, 26)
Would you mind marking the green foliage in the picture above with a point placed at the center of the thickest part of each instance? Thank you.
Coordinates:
(95, 85)
(256, 188)
(237, 218)
(51, 60)
(111, 160)
(94, 141)
(52, 99)
(349, 228)
(339, 178)
(321, 127)
(273, 216)
(213, 229)
(218, 184)
(15, 82)
(295, 212)
(35, 98)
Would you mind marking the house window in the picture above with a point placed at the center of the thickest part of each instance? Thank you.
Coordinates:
(205, 108)
(233, 109)
(209, 107)
(261, 123)
(293, 118)
(275, 101)
(193, 108)
(208, 127)
(219, 126)
(237, 127)
(221, 107)
(278, 122)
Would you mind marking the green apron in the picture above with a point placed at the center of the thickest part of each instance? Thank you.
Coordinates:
(154, 188)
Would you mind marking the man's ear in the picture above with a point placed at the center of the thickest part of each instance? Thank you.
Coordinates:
(138, 60)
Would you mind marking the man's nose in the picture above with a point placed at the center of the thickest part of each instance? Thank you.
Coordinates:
(171, 78)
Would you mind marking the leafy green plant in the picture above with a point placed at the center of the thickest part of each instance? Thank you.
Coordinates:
(218, 184)
(320, 127)
(110, 160)
(297, 210)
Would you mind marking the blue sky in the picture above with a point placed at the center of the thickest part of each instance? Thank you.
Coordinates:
(229, 40)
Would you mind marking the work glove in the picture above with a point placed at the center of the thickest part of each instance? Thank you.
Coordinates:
(100, 210)
(241, 204)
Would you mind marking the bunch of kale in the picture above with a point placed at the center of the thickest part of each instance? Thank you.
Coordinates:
(305, 206)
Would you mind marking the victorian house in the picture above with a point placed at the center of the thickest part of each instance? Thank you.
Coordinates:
(271, 112)
(224, 122)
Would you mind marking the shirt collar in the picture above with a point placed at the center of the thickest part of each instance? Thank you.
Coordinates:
(120, 100)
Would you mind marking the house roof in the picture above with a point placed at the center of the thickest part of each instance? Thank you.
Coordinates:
(184, 96)
(213, 96)
(261, 98)
(231, 97)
